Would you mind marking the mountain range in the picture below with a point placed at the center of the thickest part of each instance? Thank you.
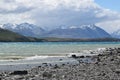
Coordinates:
(25, 29)
(83, 31)
(116, 34)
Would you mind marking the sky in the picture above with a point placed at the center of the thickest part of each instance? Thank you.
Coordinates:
(110, 4)
(54, 13)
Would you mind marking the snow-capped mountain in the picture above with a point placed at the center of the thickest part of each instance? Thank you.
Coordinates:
(116, 34)
(25, 29)
(84, 31)
(8, 26)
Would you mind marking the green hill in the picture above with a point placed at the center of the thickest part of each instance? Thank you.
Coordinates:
(9, 36)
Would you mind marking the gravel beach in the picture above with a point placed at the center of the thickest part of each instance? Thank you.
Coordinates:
(105, 66)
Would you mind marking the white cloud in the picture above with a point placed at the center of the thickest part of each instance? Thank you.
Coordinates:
(110, 26)
(12, 18)
(52, 13)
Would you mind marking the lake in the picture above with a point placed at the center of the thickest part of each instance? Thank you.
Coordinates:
(24, 49)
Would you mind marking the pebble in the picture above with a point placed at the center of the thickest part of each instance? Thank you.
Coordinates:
(105, 67)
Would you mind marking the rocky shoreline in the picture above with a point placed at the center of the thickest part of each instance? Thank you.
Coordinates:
(105, 66)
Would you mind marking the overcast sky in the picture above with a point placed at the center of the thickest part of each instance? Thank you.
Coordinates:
(52, 13)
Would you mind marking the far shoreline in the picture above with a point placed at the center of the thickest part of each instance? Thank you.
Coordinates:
(49, 39)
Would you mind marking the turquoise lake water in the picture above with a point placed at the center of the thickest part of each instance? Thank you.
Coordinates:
(49, 48)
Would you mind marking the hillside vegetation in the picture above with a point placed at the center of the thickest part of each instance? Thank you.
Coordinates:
(9, 36)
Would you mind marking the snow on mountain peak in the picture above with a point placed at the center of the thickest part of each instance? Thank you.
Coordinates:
(1, 26)
(9, 26)
(26, 26)
(73, 27)
(83, 26)
(91, 26)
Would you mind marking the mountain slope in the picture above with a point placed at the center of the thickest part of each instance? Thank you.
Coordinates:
(116, 34)
(85, 31)
(9, 36)
(25, 29)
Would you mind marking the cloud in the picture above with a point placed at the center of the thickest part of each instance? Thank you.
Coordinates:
(69, 12)
(110, 26)
(11, 6)
(19, 18)
(52, 13)
(8, 1)
(18, 10)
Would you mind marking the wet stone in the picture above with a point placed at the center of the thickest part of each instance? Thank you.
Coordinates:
(117, 71)
(82, 57)
(74, 56)
(19, 73)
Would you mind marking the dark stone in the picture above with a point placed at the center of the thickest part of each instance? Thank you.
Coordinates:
(91, 52)
(96, 62)
(63, 64)
(50, 64)
(1, 75)
(61, 59)
(100, 54)
(82, 57)
(19, 73)
(56, 66)
(39, 66)
(44, 63)
(117, 71)
(80, 61)
(47, 74)
(102, 74)
(74, 56)
(111, 52)
(88, 56)
(73, 65)
(98, 59)
(118, 48)
(104, 64)
(112, 60)
(118, 51)
(67, 62)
